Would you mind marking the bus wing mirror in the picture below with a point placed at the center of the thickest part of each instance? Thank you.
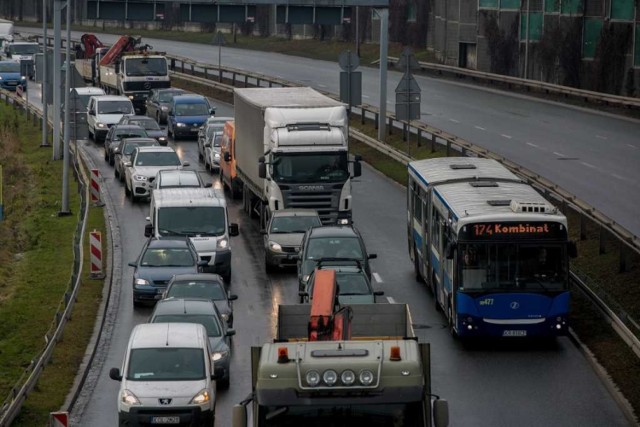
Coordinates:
(227, 157)
(572, 249)
(450, 250)
(148, 230)
(440, 413)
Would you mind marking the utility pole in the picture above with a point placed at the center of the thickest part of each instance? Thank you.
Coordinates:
(66, 158)
(45, 80)
(526, 46)
(58, 5)
(383, 14)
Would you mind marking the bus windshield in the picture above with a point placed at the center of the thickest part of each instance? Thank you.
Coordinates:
(512, 267)
(399, 414)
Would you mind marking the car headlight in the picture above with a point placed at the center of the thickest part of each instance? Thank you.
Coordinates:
(0, 77)
(217, 355)
(224, 316)
(275, 247)
(130, 96)
(305, 278)
(162, 138)
(100, 125)
(313, 378)
(181, 125)
(129, 398)
(203, 396)
(23, 78)
(222, 244)
(216, 155)
(139, 177)
(141, 282)
(164, 108)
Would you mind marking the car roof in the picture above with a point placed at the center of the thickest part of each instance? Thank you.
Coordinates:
(217, 119)
(171, 89)
(184, 335)
(139, 139)
(157, 148)
(13, 43)
(127, 126)
(169, 243)
(199, 276)
(185, 306)
(333, 231)
(189, 98)
(111, 98)
(140, 117)
(89, 90)
(295, 212)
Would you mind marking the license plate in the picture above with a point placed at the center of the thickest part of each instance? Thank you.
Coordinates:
(514, 333)
(165, 420)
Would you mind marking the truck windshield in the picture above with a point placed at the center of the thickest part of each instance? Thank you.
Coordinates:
(166, 364)
(512, 267)
(24, 49)
(407, 415)
(146, 67)
(192, 221)
(310, 167)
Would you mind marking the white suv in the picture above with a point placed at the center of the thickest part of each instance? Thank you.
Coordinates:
(167, 376)
(105, 111)
(143, 165)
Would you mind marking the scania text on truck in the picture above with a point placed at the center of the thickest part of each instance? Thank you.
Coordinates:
(380, 376)
(292, 152)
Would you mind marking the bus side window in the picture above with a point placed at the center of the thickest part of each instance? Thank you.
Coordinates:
(417, 205)
(436, 229)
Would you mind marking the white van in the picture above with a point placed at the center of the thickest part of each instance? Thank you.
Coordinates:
(105, 111)
(167, 376)
(201, 214)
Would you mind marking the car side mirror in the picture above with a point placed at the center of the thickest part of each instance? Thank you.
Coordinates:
(92, 112)
(372, 256)
(230, 332)
(262, 168)
(212, 112)
(207, 145)
(148, 230)
(233, 229)
(114, 374)
(218, 373)
(233, 297)
(227, 157)
(132, 264)
(208, 184)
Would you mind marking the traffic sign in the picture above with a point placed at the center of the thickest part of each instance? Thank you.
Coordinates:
(351, 87)
(408, 60)
(408, 84)
(348, 60)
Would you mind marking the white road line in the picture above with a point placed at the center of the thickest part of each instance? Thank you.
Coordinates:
(601, 137)
(589, 165)
(479, 127)
(454, 120)
(533, 145)
(559, 154)
(377, 277)
(391, 300)
(632, 146)
(615, 175)
(506, 136)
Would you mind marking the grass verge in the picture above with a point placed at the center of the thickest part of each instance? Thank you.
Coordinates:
(36, 261)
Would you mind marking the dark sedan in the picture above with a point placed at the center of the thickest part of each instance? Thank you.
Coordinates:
(158, 262)
(159, 103)
(204, 285)
(150, 125)
(116, 134)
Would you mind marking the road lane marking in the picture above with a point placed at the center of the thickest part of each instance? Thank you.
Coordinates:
(366, 96)
(319, 85)
(632, 146)
(559, 154)
(377, 277)
(479, 127)
(533, 145)
(615, 175)
(506, 136)
(601, 137)
(391, 300)
(454, 120)
(589, 165)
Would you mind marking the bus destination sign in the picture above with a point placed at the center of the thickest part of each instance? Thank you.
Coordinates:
(513, 230)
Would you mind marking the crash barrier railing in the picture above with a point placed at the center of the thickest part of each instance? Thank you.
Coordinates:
(627, 328)
(12, 404)
(627, 242)
(527, 85)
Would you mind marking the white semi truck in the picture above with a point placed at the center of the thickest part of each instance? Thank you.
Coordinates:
(292, 152)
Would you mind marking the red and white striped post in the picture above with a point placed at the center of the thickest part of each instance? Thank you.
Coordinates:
(59, 419)
(95, 187)
(95, 243)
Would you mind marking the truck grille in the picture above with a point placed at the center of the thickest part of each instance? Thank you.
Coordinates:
(142, 86)
(324, 198)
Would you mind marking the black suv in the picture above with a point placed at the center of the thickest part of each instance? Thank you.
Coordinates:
(331, 241)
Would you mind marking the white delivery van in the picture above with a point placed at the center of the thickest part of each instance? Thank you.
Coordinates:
(199, 213)
(167, 376)
(105, 111)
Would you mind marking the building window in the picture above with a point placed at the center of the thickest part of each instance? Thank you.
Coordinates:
(622, 9)
(552, 6)
(571, 7)
(592, 29)
(411, 11)
(488, 4)
(535, 31)
(510, 4)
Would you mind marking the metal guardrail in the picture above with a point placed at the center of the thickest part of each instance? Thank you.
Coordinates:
(529, 85)
(12, 404)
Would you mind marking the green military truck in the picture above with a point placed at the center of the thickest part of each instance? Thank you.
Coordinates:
(380, 377)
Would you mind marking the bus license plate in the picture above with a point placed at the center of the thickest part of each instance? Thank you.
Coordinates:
(165, 420)
(514, 333)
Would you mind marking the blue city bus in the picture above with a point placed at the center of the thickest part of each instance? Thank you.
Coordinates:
(494, 252)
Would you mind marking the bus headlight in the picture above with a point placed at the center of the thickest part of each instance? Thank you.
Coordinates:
(330, 377)
(348, 377)
(313, 378)
(366, 377)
